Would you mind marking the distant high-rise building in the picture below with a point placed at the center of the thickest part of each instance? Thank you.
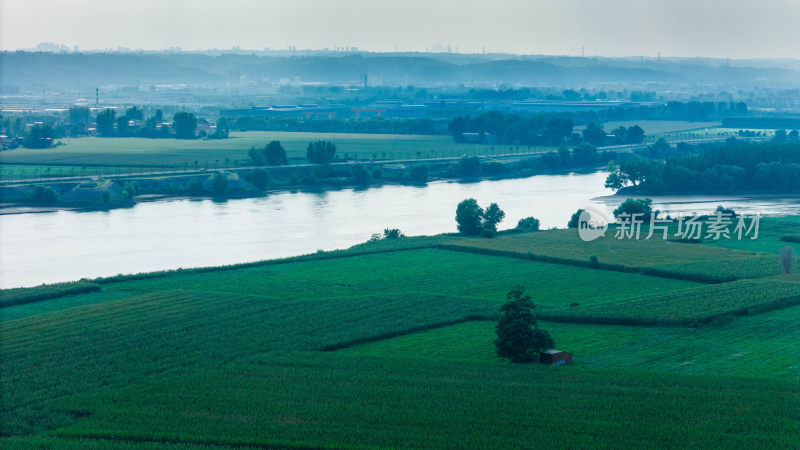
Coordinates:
(47, 47)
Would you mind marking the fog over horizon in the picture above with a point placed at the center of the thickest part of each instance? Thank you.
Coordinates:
(613, 28)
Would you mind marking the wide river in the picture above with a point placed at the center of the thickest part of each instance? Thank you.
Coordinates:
(57, 246)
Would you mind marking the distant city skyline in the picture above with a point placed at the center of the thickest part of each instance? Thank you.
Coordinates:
(673, 28)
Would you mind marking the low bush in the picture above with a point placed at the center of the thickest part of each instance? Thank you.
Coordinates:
(528, 224)
(220, 183)
(196, 187)
(419, 173)
(259, 178)
(44, 194)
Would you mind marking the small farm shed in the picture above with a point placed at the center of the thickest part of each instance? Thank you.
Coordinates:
(555, 357)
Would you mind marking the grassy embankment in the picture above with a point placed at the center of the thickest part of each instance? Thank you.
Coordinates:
(232, 356)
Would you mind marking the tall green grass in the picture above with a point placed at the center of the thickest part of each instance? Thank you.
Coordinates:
(346, 401)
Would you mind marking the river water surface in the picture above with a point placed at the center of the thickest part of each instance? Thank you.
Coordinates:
(58, 246)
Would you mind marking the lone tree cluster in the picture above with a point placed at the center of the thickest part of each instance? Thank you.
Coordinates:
(518, 336)
(473, 220)
(272, 154)
(320, 152)
(528, 224)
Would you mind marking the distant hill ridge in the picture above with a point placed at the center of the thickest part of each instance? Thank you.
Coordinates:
(36, 70)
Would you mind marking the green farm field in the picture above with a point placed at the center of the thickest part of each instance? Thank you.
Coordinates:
(771, 230)
(726, 349)
(12, 172)
(715, 263)
(389, 345)
(412, 403)
(688, 306)
(417, 272)
(176, 153)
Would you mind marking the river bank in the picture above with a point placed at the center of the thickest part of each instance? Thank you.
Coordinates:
(175, 232)
(103, 193)
(171, 232)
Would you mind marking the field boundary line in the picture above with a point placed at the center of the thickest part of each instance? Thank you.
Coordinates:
(706, 279)
(334, 254)
(407, 331)
(133, 439)
(783, 303)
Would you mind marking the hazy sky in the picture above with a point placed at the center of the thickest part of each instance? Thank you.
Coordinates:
(716, 28)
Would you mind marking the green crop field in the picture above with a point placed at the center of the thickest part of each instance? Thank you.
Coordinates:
(58, 304)
(127, 339)
(230, 152)
(725, 349)
(656, 255)
(417, 272)
(771, 230)
(389, 345)
(10, 172)
(312, 400)
(699, 304)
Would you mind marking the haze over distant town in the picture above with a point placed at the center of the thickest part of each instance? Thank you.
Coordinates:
(673, 28)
